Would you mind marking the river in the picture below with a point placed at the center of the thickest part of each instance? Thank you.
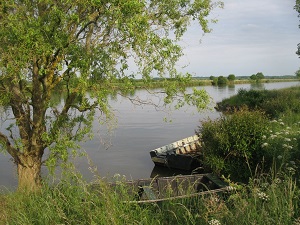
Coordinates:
(139, 129)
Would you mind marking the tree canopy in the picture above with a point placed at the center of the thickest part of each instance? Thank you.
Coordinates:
(257, 77)
(60, 46)
(297, 8)
(231, 77)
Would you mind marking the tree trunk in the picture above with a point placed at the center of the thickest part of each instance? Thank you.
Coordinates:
(29, 173)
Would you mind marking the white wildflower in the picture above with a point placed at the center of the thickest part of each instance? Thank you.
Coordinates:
(214, 222)
(264, 145)
(215, 199)
(264, 137)
(287, 139)
(230, 188)
(277, 181)
(291, 169)
(263, 196)
(279, 157)
(297, 221)
(273, 136)
(264, 185)
(117, 175)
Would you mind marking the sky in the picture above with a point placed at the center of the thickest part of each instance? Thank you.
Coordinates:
(251, 36)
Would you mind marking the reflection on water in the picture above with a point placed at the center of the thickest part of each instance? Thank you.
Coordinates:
(257, 86)
(160, 171)
(139, 130)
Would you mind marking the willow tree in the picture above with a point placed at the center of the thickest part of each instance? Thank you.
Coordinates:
(52, 46)
(297, 8)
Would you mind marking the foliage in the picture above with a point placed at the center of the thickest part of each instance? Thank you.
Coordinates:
(232, 143)
(222, 80)
(260, 76)
(75, 47)
(268, 199)
(219, 80)
(257, 77)
(297, 8)
(297, 73)
(279, 142)
(215, 81)
(273, 102)
(253, 77)
(231, 77)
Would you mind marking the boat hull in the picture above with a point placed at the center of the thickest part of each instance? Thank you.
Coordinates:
(178, 161)
(184, 154)
(161, 189)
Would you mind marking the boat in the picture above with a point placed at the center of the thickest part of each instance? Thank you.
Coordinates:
(184, 154)
(162, 189)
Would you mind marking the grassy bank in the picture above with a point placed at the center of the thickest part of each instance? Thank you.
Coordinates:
(262, 145)
(265, 200)
(268, 200)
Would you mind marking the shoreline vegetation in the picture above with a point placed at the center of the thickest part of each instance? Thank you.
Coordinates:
(259, 137)
(192, 82)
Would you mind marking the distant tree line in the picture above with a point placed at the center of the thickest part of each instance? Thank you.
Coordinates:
(221, 80)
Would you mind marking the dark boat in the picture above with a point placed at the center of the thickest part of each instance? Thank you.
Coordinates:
(184, 154)
(170, 188)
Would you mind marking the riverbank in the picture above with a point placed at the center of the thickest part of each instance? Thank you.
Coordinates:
(271, 197)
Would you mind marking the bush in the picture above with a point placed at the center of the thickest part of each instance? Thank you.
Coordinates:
(231, 77)
(273, 102)
(232, 144)
(222, 80)
(214, 81)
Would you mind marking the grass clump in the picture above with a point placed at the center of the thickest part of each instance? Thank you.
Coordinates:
(265, 200)
(273, 102)
(232, 143)
(73, 203)
(264, 128)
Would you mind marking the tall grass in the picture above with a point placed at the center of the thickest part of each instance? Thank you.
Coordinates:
(267, 199)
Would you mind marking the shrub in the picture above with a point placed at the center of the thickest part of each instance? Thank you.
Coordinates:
(214, 81)
(232, 144)
(273, 102)
(231, 77)
(222, 80)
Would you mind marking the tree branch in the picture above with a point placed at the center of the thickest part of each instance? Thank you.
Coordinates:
(9, 148)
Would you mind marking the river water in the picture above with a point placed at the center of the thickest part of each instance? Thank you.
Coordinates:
(139, 129)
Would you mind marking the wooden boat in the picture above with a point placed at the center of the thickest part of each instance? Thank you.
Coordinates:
(183, 154)
(170, 188)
